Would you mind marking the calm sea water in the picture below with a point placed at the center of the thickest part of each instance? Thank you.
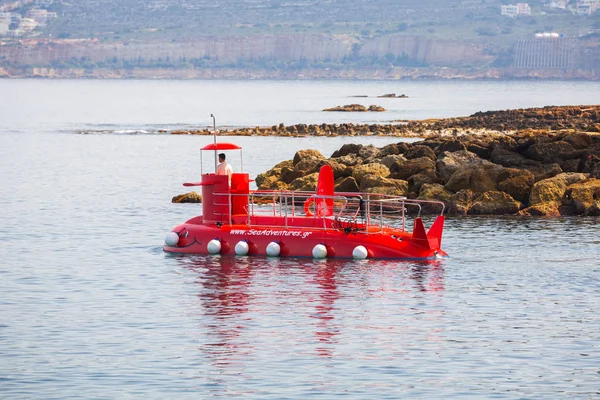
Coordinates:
(90, 306)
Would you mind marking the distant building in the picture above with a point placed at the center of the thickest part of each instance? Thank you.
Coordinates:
(547, 35)
(587, 7)
(10, 6)
(28, 24)
(562, 4)
(41, 16)
(514, 10)
(523, 9)
(4, 23)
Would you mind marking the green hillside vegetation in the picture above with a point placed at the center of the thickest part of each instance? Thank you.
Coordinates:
(473, 20)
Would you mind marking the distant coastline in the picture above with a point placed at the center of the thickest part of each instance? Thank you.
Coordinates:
(392, 73)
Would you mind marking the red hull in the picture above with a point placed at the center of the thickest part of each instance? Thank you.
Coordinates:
(299, 241)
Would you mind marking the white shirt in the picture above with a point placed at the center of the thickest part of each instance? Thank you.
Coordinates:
(225, 169)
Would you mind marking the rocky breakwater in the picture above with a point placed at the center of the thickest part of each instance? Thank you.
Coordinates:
(578, 118)
(524, 173)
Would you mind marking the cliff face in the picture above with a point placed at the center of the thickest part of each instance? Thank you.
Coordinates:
(232, 49)
(426, 51)
(270, 56)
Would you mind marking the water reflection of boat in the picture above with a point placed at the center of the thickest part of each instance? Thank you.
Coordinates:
(320, 224)
(311, 300)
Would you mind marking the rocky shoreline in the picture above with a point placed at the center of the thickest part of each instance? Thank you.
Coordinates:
(536, 162)
(578, 118)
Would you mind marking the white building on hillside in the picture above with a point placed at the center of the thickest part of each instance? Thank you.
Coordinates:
(562, 4)
(28, 24)
(514, 10)
(587, 7)
(4, 23)
(41, 16)
(523, 9)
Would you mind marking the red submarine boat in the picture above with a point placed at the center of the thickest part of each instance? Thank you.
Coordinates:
(321, 224)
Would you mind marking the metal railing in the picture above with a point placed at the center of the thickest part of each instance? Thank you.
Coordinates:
(369, 211)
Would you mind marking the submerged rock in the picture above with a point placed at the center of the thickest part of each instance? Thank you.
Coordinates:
(191, 197)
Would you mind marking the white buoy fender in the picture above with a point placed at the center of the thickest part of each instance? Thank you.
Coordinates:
(171, 239)
(319, 251)
(360, 252)
(273, 249)
(214, 246)
(242, 248)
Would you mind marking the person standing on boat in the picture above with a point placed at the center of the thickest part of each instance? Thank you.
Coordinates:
(224, 168)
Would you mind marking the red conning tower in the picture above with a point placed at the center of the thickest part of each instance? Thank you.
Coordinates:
(218, 193)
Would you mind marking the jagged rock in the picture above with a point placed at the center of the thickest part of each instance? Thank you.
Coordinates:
(416, 181)
(369, 151)
(451, 146)
(370, 181)
(482, 151)
(544, 171)
(549, 209)
(390, 149)
(461, 202)
(375, 108)
(306, 183)
(494, 203)
(437, 192)
(553, 189)
(582, 194)
(288, 175)
(517, 183)
(191, 197)
(272, 182)
(504, 142)
(408, 168)
(391, 159)
(508, 158)
(550, 152)
(593, 210)
(307, 165)
(339, 170)
(347, 184)
(571, 165)
(418, 151)
(349, 160)
(590, 163)
(348, 148)
(366, 169)
(402, 147)
(302, 154)
(388, 190)
(595, 173)
(273, 172)
(579, 141)
(448, 163)
(480, 179)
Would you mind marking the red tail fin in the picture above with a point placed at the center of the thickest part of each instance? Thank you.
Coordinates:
(435, 233)
(419, 236)
(325, 188)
